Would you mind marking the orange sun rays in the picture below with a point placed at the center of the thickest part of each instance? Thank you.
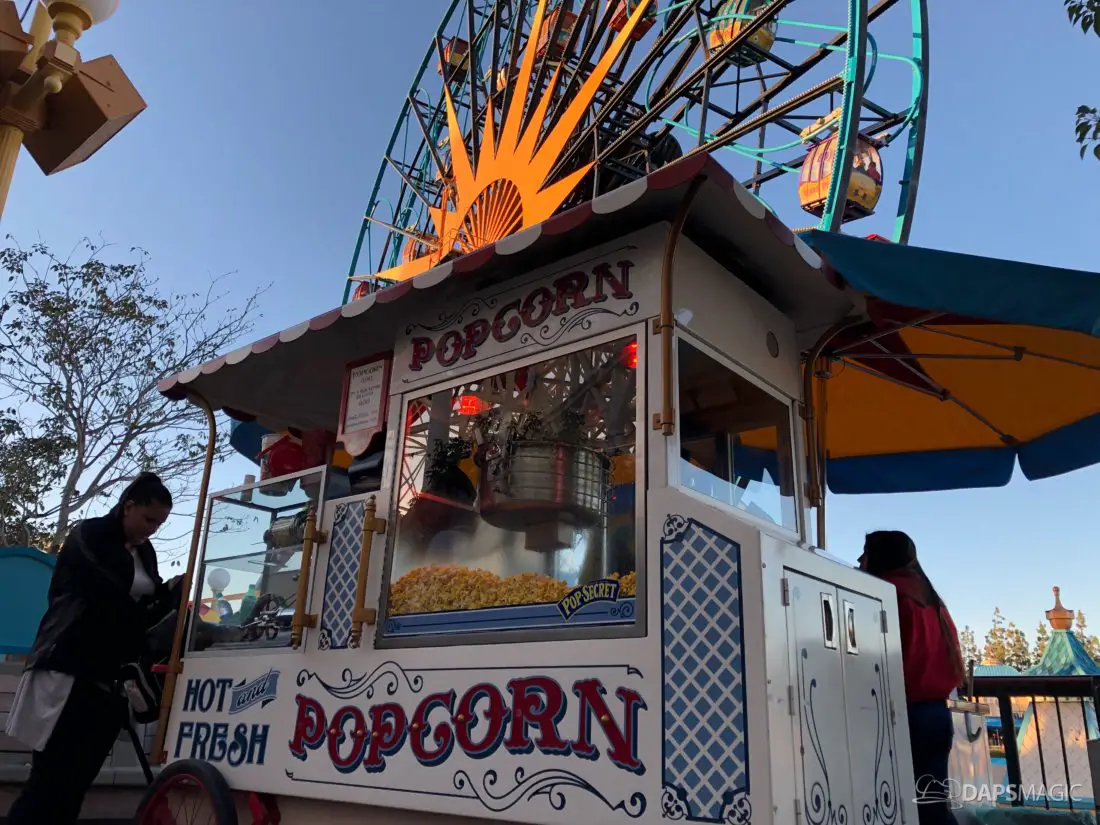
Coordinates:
(506, 189)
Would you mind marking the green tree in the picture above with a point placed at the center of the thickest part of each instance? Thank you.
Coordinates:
(1080, 630)
(83, 344)
(30, 465)
(969, 646)
(1017, 650)
(1042, 637)
(995, 651)
(1086, 15)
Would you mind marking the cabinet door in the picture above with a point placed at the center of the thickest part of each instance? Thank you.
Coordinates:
(814, 632)
(340, 568)
(870, 716)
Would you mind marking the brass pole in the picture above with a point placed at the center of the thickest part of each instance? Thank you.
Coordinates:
(175, 666)
(361, 614)
(665, 421)
(302, 619)
(823, 443)
(815, 448)
(11, 141)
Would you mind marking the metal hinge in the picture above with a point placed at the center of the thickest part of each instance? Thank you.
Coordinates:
(797, 810)
(882, 613)
(893, 716)
(785, 590)
(790, 699)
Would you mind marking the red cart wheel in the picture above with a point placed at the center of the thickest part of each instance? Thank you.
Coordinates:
(189, 792)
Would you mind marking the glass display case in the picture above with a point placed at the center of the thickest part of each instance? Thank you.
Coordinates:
(247, 579)
(735, 439)
(515, 499)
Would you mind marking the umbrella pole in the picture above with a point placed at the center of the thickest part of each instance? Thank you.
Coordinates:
(174, 664)
(815, 424)
(821, 459)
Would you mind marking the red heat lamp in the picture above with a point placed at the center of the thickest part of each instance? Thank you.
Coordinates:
(471, 405)
(629, 356)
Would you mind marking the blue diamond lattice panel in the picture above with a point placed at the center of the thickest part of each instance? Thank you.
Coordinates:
(706, 757)
(341, 575)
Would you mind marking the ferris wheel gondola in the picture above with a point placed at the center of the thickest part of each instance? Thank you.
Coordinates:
(538, 105)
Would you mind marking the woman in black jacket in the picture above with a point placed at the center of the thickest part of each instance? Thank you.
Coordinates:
(104, 595)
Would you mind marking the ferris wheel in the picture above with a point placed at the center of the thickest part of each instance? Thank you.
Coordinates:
(523, 108)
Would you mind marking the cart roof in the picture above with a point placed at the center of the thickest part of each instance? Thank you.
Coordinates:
(725, 220)
(960, 368)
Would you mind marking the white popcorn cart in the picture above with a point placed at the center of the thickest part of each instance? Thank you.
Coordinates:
(549, 555)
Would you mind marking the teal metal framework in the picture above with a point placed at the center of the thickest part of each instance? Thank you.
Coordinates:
(676, 81)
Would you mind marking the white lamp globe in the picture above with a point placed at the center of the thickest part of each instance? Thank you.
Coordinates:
(99, 10)
(218, 579)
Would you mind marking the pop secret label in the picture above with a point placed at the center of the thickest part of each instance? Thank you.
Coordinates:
(578, 302)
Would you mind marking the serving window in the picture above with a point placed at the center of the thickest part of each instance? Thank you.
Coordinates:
(735, 439)
(515, 499)
(247, 582)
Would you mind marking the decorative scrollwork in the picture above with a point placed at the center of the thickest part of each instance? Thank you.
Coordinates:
(353, 686)
(550, 783)
(674, 527)
(547, 334)
(446, 319)
(884, 811)
(622, 610)
(819, 796)
(737, 808)
(324, 640)
(674, 803)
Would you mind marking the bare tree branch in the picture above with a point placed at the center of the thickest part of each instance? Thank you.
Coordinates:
(83, 343)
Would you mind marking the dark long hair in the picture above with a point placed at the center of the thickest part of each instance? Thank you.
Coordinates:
(888, 551)
(147, 488)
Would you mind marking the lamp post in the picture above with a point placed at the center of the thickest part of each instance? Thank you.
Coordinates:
(61, 108)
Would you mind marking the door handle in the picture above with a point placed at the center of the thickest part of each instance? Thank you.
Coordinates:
(360, 614)
(828, 620)
(302, 620)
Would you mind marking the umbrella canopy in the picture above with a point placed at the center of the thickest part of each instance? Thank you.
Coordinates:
(961, 367)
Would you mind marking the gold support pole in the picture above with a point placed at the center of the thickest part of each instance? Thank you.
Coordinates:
(68, 20)
(301, 619)
(823, 466)
(11, 140)
(665, 420)
(361, 614)
(815, 424)
(175, 666)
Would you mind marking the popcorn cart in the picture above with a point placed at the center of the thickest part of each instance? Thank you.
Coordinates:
(560, 559)
(582, 583)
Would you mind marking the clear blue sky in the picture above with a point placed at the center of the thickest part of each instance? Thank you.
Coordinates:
(266, 123)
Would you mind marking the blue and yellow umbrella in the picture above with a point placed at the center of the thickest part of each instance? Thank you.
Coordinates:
(960, 368)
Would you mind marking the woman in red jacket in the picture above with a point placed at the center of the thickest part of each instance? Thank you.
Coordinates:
(932, 663)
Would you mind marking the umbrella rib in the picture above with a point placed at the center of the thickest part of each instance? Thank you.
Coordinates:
(875, 374)
(883, 333)
(1017, 352)
(943, 356)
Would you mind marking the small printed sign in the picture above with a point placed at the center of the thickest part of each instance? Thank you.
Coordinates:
(604, 590)
(364, 401)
